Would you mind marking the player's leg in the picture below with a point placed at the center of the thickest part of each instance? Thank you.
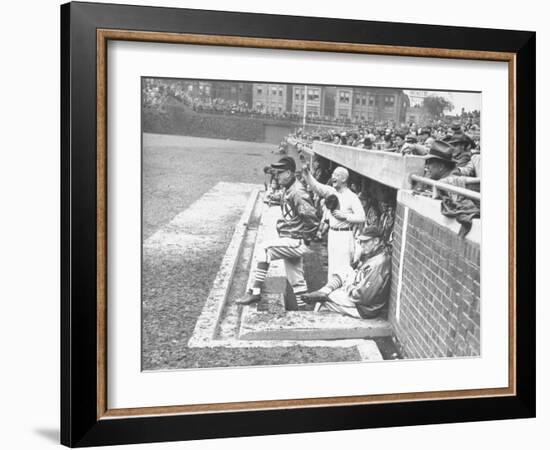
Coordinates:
(282, 248)
(339, 302)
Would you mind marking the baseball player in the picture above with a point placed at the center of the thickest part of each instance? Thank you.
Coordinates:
(296, 229)
(361, 293)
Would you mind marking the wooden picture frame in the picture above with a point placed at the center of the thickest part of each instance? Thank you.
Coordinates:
(85, 416)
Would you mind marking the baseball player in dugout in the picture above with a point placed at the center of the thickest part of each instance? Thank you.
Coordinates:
(361, 292)
(350, 213)
(296, 229)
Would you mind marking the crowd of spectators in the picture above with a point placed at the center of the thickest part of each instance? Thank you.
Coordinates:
(407, 139)
(157, 93)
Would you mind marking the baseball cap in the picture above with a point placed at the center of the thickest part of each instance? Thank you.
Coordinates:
(285, 163)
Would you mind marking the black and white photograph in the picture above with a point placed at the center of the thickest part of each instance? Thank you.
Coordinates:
(291, 223)
(247, 225)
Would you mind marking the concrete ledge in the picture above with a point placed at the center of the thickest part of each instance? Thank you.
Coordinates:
(207, 323)
(430, 208)
(306, 325)
(391, 169)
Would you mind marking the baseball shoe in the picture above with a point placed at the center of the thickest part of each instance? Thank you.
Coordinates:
(248, 298)
(314, 297)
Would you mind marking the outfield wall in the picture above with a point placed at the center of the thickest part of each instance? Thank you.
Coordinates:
(182, 121)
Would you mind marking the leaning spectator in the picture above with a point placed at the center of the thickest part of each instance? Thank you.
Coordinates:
(412, 147)
(440, 164)
(462, 144)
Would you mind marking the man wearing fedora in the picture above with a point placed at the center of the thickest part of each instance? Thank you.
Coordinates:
(296, 229)
(361, 292)
(440, 163)
(441, 166)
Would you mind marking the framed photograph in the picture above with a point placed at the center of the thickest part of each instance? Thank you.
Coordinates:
(279, 224)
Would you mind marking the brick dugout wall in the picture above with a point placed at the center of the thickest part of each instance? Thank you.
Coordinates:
(435, 310)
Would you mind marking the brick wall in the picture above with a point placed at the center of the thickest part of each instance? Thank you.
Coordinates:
(439, 302)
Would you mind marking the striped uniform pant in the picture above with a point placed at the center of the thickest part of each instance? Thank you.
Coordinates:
(291, 251)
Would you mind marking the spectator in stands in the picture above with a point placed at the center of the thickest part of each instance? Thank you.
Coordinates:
(296, 229)
(399, 141)
(361, 292)
(463, 145)
(473, 167)
(344, 138)
(412, 147)
(367, 143)
(424, 133)
(440, 164)
(387, 143)
(341, 221)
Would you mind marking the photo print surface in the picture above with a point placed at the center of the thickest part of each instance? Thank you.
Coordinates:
(303, 224)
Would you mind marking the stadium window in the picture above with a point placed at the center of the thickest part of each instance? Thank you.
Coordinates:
(344, 96)
(259, 91)
(371, 101)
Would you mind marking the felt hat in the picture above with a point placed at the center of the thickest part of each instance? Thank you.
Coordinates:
(442, 151)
